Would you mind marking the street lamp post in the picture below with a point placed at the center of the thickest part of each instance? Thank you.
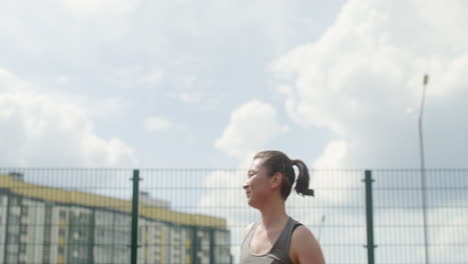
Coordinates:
(423, 170)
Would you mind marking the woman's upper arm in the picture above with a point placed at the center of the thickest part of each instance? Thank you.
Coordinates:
(305, 248)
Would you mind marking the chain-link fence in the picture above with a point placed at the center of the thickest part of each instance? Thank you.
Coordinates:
(198, 215)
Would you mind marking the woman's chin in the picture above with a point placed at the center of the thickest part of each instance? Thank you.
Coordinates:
(252, 203)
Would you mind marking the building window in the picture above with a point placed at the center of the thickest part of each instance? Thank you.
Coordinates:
(22, 248)
(24, 211)
(24, 229)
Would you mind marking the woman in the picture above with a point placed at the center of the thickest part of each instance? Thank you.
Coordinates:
(277, 238)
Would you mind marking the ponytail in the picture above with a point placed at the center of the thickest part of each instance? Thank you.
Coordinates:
(302, 182)
(276, 161)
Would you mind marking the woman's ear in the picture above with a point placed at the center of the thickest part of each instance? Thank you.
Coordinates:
(276, 180)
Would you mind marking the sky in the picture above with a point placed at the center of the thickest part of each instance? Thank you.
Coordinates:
(206, 84)
(136, 83)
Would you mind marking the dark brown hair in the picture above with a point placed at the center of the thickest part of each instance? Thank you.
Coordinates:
(277, 161)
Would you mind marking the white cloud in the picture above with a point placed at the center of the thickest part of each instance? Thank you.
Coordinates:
(62, 80)
(452, 238)
(190, 98)
(332, 158)
(105, 108)
(10, 83)
(361, 76)
(100, 7)
(251, 126)
(45, 129)
(156, 123)
(334, 152)
(153, 77)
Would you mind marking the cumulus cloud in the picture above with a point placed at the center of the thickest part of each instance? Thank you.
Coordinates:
(101, 109)
(62, 80)
(153, 77)
(156, 123)
(99, 7)
(361, 76)
(190, 98)
(452, 238)
(46, 129)
(250, 127)
(334, 152)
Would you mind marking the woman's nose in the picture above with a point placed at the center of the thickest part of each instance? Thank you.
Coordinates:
(245, 185)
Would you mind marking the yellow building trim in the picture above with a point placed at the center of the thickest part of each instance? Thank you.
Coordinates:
(94, 200)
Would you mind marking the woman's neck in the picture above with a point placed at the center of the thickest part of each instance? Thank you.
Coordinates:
(274, 215)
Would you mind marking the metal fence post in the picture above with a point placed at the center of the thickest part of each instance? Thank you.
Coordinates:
(134, 240)
(369, 218)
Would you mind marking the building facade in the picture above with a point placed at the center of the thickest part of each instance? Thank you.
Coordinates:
(39, 224)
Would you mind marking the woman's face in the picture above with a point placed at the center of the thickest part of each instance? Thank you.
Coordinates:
(257, 186)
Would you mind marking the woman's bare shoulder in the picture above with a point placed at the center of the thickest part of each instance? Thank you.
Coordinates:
(247, 229)
(304, 247)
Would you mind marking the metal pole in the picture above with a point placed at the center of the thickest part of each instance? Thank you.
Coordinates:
(423, 171)
(322, 222)
(134, 242)
(369, 218)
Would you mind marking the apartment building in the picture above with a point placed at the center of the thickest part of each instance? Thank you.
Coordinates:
(40, 224)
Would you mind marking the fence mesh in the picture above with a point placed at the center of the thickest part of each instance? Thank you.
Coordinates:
(199, 215)
(399, 223)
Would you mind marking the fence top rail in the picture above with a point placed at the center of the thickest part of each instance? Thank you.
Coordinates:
(79, 198)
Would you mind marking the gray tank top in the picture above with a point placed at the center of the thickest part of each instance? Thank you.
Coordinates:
(278, 254)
